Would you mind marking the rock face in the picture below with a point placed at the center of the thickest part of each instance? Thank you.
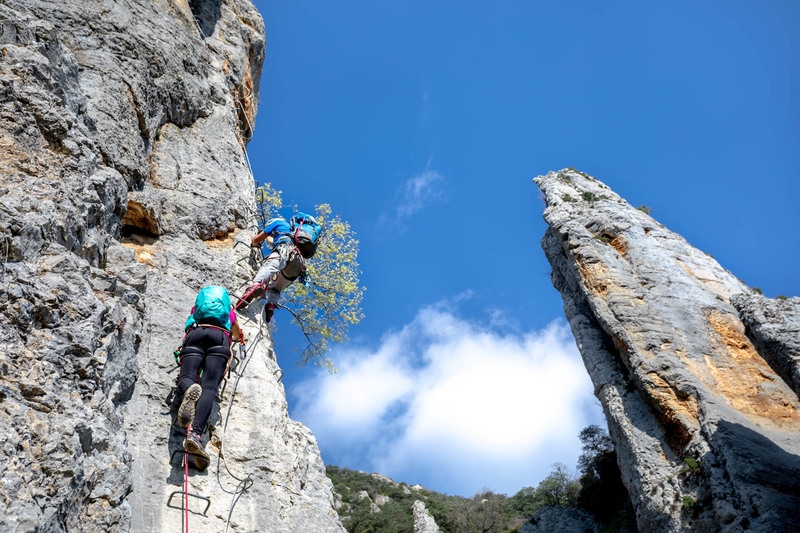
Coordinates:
(706, 420)
(561, 519)
(774, 328)
(124, 188)
(423, 521)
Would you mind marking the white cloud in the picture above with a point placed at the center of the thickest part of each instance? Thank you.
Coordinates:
(414, 195)
(453, 405)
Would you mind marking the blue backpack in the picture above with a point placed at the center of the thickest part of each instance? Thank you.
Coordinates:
(305, 233)
(212, 306)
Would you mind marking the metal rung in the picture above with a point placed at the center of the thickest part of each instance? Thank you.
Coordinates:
(207, 500)
(234, 365)
(221, 390)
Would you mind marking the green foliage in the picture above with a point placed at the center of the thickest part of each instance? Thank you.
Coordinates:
(395, 516)
(688, 503)
(602, 493)
(330, 302)
(268, 202)
(595, 443)
(486, 512)
(757, 290)
(584, 174)
(781, 297)
(558, 488)
(588, 196)
(599, 491)
(392, 518)
(525, 502)
(644, 209)
(692, 466)
(567, 198)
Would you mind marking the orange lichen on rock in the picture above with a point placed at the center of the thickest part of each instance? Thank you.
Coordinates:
(144, 254)
(225, 241)
(620, 244)
(742, 375)
(594, 275)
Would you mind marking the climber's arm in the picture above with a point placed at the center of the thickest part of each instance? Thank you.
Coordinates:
(261, 237)
(236, 332)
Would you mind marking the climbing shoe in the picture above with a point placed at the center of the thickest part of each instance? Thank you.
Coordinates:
(186, 410)
(193, 445)
(256, 291)
(269, 310)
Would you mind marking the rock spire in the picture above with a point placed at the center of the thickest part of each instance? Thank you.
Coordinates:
(697, 375)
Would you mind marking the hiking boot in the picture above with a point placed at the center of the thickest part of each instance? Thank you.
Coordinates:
(186, 410)
(193, 445)
(269, 310)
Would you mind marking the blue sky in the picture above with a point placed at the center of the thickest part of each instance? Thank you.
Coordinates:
(423, 123)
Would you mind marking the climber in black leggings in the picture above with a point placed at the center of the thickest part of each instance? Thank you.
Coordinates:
(206, 347)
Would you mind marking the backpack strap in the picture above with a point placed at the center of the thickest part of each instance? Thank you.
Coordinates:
(296, 231)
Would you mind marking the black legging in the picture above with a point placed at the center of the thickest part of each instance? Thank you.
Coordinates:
(207, 348)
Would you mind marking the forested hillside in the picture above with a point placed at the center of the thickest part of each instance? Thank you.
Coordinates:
(373, 503)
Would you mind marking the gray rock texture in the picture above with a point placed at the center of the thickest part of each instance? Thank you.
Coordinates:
(124, 188)
(707, 431)
(423, 521)
(553, 519)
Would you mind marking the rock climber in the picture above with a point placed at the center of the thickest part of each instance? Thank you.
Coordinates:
(289, 244)
(210, 329)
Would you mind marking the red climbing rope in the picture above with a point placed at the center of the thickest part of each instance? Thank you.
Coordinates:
(186, 484)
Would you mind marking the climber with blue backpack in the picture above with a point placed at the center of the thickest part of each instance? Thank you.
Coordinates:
(289, 244)
(203, 358)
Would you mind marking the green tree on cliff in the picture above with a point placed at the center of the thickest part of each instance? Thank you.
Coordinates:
(330, 302)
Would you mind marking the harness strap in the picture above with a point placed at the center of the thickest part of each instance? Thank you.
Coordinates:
(195, 326)
(296, 232)
(208, 326)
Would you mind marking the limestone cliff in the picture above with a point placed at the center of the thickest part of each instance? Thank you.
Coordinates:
(697, 376)
(124, 188)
